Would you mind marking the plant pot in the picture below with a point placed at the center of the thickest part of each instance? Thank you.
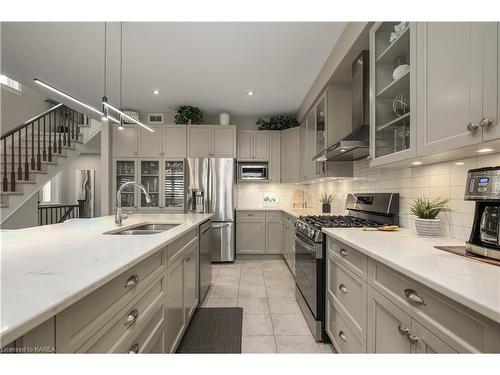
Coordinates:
(428, 227)
(224, 119)
(190, 122)
(326, 208)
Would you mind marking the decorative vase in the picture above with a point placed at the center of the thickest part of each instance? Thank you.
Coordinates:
(326, 208)
(427, 227)
(224, 118)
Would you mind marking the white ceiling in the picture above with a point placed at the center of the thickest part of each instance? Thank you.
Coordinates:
(210, 65)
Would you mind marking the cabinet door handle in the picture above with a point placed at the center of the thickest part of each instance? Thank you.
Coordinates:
(134, 349)
(132, 317)
(343, 288)
(188, 259)
(472, 126)
(413, 339)
(343, 252)
(132, 281)
(485, 122)
(402, 330)
(342, 336)
(414, 297)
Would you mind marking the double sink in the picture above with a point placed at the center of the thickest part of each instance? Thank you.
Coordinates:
(143, 229)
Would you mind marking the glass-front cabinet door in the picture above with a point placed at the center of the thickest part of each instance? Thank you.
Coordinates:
(150, 178)
(174, 184)
(392, 85)
(125, 172)
(320, 111)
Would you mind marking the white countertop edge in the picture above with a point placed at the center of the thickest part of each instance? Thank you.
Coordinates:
(450, 293)
(23, 327)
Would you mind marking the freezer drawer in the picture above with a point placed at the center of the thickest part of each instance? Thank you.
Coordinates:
(222, 242)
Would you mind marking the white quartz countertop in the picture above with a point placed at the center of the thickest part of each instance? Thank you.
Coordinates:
(46, 269)
(469, 282)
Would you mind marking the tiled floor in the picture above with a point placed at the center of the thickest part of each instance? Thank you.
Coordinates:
(272, 320)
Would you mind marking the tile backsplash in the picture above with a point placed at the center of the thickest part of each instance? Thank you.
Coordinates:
(443, 180)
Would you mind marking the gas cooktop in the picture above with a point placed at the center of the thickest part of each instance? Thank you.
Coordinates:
(334, 221)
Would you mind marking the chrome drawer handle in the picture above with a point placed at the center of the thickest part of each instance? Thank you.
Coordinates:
(413, 339)
(402, 330)
(343, 288)
(132, 280)
(472, 127)
(134, 349)
(132, 317)
(414, 297)
(343, 336)
(343, 252)
(485, 122)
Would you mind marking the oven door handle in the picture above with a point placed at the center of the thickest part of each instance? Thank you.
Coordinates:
(310, 249)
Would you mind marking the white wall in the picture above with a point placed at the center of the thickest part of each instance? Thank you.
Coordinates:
(17, 109)
(26, 216)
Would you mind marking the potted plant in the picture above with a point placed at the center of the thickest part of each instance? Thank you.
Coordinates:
(187, 114)
(277, 123)
(426, 211)
(326, 203)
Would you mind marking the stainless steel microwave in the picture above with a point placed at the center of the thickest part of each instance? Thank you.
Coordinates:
(253, 171)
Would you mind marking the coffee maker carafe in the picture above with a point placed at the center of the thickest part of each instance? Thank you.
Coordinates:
(483, 187)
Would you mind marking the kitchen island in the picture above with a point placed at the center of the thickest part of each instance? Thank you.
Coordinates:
(47, 270)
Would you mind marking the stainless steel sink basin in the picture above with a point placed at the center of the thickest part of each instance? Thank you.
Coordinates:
(144, 229)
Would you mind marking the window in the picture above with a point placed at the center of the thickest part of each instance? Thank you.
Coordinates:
(11, 84)
(49, 193)
(155, 118)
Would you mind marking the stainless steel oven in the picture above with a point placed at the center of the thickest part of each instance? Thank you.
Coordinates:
(253, 171)
(309, 277)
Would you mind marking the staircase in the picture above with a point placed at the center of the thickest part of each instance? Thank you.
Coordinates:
(34, 152)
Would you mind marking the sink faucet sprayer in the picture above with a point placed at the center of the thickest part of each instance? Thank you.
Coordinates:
(118, 214)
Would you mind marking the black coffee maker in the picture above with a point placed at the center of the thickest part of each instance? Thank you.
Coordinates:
(483, 187)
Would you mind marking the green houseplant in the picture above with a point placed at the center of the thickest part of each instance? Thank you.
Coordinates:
(187, 114)
(326, 203)
(277, 123)
(426, 211)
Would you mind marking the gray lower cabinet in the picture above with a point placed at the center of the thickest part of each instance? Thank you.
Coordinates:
(274, 233)
(175, 306)
(250, 237)
(289, 242)
(260, 232)
(190, 281)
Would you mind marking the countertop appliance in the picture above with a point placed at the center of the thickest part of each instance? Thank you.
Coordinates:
(365, 210)
(355, 145)
(209, 184)
(483, 187)
(205, 271)
(253, 171)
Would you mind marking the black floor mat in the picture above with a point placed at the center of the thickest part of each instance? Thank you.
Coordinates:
(213, 330)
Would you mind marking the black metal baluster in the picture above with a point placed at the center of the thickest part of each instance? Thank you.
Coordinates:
(12, 167)
(60, 130)
(19, 159)
(26, 155)
(44, 134)
(38, 155)
(5, 184)
(70, 127)
(73, 124)
(46, 216)
(55, 132)
(50, 138)
(32, 145)
(77, 130)
(65, 113)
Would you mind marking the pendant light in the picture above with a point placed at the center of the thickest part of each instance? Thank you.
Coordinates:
(104, 98)
(108, 106)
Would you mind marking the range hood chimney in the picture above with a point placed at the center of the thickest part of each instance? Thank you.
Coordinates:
(356, 145)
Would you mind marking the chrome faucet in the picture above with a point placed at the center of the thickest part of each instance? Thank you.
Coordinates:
(118, 214)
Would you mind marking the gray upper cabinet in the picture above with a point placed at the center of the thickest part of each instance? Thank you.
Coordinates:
(454, 64)
(174, 141)
(150, 143)
(310, 165)
(199, 141)
(491, 108)
(290, 155)
(223, 141)
(125, 141)
(275, 156)
(303, 162)
(253, 145)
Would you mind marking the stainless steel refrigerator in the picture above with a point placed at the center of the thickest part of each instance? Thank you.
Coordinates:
(209, 184)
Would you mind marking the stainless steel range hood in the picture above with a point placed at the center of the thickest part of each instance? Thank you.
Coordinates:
(356, 145)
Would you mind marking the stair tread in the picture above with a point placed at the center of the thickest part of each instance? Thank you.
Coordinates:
(11, 192)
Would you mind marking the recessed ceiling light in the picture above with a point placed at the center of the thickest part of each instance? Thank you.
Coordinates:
(250, 93)
(481, 150)
(459, 163)
(156, 92)
(417, 163)
(343, 150)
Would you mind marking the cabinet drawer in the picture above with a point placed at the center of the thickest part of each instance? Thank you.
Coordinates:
(147, 337)
(250, 216)
(340, 332)
(274, 216)
(354, 260)
(128, 321)
(349, 293)
(461, 328)
(176, 248)
(80, 321)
